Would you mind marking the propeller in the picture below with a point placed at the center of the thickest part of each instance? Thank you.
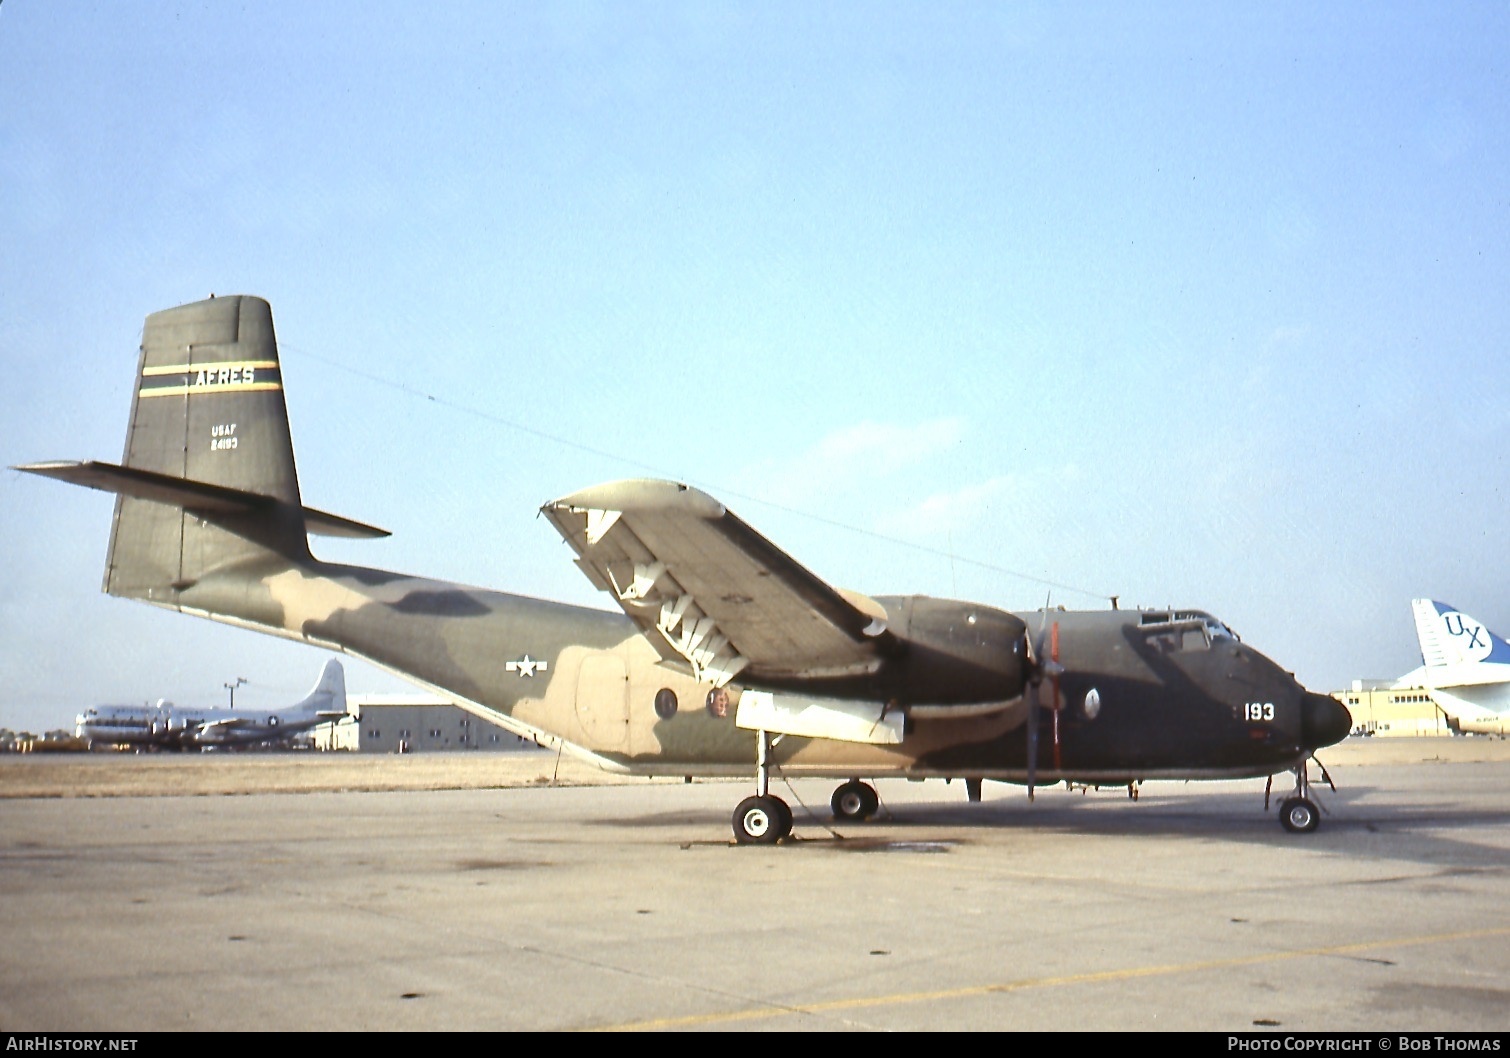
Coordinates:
(1054, 670)
(1040, 667)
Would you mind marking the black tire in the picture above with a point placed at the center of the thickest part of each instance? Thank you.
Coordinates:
(872, 799)
(1298, 815)
(854, 801)
(762, 821)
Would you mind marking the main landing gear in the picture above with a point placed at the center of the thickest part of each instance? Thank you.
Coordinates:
(762, 820)
(765, 818)
(1298, 813)
(854, 801)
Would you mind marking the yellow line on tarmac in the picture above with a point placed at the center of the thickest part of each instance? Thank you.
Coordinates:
(777, 1010)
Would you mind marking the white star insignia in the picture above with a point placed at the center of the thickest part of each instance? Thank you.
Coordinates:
(527, 666)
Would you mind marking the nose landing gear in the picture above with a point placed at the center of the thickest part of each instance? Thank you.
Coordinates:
(1299, 813)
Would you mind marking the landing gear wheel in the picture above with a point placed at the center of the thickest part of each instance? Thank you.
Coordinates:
(762, 821)
(855, 801)
(786, 816)
(1298, 815)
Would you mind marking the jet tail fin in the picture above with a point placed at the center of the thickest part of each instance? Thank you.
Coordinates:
(208, 477)
(1450, 639)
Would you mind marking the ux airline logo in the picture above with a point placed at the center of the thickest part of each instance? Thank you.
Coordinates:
(1471, 638)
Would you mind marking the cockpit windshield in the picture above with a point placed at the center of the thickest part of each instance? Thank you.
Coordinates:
(1184, 629)
(1214, 628)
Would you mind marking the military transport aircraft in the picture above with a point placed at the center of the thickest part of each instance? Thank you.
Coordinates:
(729, 657)
(169, 726)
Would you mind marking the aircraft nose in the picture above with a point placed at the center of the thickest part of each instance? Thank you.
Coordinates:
(1323, 720)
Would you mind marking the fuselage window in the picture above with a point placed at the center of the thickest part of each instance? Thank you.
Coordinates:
(665, 703)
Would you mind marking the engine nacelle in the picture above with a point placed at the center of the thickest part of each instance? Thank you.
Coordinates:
(957, 652)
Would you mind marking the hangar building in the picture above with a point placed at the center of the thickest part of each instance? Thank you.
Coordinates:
(1380, 708)
(416, 724)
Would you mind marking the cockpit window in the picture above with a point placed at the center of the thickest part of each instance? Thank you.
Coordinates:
(1171, 630)
(1214, 628)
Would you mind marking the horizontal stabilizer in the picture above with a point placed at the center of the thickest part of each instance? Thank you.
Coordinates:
(191, 495)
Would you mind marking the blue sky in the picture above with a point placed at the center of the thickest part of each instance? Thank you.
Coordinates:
(1197, 305)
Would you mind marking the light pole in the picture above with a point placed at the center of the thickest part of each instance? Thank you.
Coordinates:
(232, 688)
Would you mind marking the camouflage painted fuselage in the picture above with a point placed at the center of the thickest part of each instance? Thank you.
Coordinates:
(1167, 703)
(209, 521)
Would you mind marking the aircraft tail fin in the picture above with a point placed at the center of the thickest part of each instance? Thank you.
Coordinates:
(207, 479)
(1450, 639)
(328, 699)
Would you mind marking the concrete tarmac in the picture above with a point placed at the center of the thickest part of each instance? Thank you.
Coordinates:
(627, 906)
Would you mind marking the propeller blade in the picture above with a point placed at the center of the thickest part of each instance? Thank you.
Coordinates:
(1054, 670)
(1032, 699)
(1035, 680)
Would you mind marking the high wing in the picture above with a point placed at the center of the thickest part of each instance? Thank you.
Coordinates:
(710, 592)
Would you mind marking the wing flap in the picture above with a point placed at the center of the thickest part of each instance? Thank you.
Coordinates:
(808, 717)
(711, 592)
